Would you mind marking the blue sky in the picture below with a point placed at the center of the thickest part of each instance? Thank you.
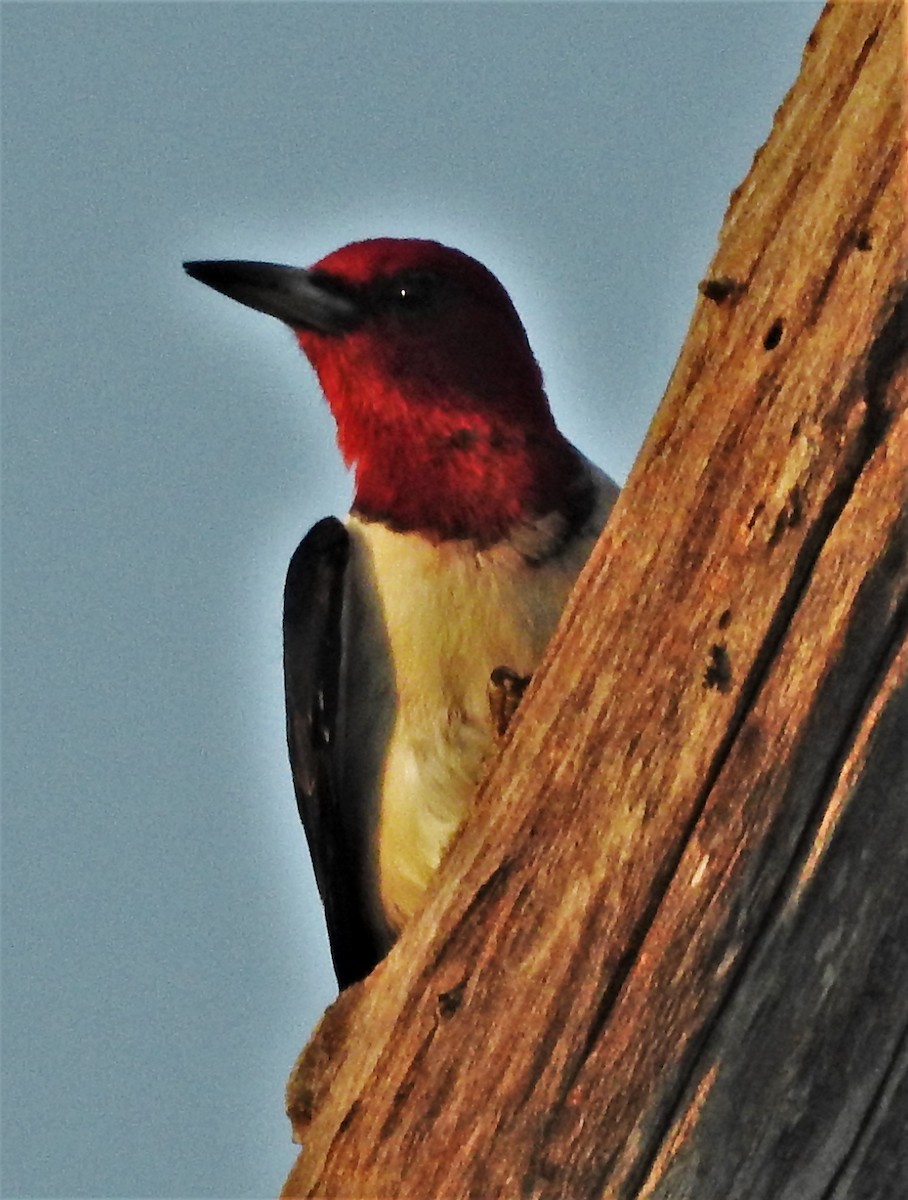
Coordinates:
(163, 951)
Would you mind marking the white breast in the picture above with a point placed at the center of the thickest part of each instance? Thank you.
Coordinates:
(425, 626)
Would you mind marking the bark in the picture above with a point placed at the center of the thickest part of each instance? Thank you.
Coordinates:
(668, 957)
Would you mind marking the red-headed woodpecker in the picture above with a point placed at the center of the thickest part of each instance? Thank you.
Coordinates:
(409, 626)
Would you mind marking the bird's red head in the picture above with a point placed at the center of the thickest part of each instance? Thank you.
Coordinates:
(427, 369)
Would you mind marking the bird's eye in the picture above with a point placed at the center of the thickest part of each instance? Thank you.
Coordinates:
(413, 291)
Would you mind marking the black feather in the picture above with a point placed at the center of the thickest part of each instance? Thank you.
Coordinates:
(338, 838)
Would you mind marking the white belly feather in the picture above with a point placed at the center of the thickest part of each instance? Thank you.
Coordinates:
(443, 618)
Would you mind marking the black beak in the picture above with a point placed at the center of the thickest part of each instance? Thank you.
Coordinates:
(288, 293)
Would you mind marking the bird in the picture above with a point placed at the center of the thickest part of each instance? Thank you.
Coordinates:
(412, 626)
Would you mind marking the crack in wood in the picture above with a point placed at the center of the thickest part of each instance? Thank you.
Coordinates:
(870, 378)
(788, 883)
(877, 367)
(885, 1100)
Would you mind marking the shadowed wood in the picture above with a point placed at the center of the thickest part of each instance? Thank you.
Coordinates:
(669, 957)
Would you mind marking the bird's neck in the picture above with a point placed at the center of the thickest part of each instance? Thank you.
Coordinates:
(465, 476)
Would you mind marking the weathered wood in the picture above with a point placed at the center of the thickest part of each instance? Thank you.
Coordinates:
(669, 957)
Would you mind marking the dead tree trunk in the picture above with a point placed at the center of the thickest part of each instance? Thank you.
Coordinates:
(669, 956)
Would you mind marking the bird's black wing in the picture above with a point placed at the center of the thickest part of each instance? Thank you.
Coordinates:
(313, 603)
